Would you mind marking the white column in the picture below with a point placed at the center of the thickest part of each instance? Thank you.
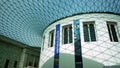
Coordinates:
(22, 59)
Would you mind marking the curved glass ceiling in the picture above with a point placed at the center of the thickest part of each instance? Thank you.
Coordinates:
(25, 20)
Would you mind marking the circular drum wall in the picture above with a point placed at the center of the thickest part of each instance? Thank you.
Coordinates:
(100, 41)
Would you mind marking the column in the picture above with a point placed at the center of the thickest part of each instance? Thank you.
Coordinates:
(23, 59)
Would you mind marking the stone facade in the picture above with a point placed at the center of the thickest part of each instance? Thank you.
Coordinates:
(14, 54)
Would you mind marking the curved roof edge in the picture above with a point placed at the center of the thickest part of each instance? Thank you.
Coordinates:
(79, 14)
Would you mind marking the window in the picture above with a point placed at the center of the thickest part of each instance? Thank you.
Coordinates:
(112, 31)
(15, 64)
(51, 38)
(29, 60)
(6, 64)
(67, 34)
(36, 62)
(43, 42)
(89, 32)
(30, 64)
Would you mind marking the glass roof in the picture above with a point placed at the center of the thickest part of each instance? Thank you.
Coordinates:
(25, 20)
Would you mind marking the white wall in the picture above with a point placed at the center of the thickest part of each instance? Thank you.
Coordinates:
(95, 54)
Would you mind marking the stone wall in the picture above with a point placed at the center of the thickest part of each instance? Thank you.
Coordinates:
(9, 52)
(14, 54)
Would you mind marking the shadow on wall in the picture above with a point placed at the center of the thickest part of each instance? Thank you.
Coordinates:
(89, 63)
(114, 66)
(67, 61)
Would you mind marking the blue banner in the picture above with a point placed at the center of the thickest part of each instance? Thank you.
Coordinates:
(77, 44)
(57, 47)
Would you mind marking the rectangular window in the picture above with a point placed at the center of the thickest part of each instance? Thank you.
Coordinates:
(15, 64)
(51, 38)
(112, 31)
(7, 64)
(43, 42)
(36, 63)
(67, 34)
(89, 31)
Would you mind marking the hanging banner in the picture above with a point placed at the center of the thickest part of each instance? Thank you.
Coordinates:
(57, 47)
(77, 45)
